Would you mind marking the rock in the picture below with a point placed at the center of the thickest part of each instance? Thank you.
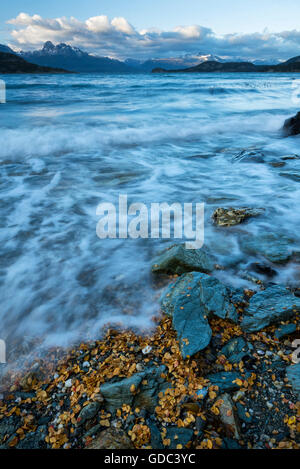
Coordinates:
(228, 417)
(228, 443)
(293, 375)
(34, 440)
(88, 412)
(148, 393)
(179, 436)
(178, 260)
(293, 176)
(111, 439)
(285, 330)
(242, 414)
(250, 156)
(235, 350)
(8, 426)
(270, 306)
(190, 301)
(225, 380)
(133, 392)
(263, 269)
(292, 125)
(68, 383)
(234, 216)
(273, 246)
(28, 381)
(92, 431)
(156, 441)
(118, 393)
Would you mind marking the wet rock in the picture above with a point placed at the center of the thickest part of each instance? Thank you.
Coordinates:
(179, 436)
(277, 164)
(228, 417)
(132, 391)
(111, 439)
(34, 440)
(88, 412)
(285, 330)
(28, 381)
(263, 269)
(235, 350)
(156, 440)
(178, 260)
(234, 216)
(190, 301)
(293, 176)
(118, 393)
(242, 413)
(92, 431)
(273, 246)
(146, 398)
(292, 125)
(250, 156)
(8, 426)
(228, 443)
(293, 375)
(226, 380)
(270, 306)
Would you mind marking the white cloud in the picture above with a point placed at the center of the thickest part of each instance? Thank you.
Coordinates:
(120, 39)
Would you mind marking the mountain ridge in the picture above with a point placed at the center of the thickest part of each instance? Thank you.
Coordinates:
(291, 65)
(12, 63)
(74, 59)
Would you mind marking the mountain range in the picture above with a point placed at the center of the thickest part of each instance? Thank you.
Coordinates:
(291, 65)
(73, 59)
(12, 63)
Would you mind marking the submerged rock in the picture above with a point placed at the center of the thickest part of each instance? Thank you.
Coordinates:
(292, 125)
(273, 246)
(232, 216)
(268, 307)
(179, 260)
(133, 392)
(293, 176)
(190, 301)
(293, 375)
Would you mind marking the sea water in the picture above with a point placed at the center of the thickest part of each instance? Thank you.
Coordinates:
(71, 142)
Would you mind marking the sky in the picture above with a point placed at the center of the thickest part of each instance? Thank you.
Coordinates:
(157, 28)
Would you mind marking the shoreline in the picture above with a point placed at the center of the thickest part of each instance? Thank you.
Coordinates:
(133, 391)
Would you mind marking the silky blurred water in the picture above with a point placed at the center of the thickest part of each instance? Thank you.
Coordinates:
(70, 142)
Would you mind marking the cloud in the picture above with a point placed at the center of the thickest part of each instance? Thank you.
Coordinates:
(118, 38)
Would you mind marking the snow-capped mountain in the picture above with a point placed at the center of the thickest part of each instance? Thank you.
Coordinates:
(73, 59)
(173, 63)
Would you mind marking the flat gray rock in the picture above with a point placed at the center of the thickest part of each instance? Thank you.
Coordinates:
(268, 307)
(132, 391)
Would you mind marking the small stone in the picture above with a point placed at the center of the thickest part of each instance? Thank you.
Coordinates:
(68, 383)
(146, 350)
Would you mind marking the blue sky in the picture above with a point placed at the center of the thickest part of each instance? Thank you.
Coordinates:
(157, 27)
